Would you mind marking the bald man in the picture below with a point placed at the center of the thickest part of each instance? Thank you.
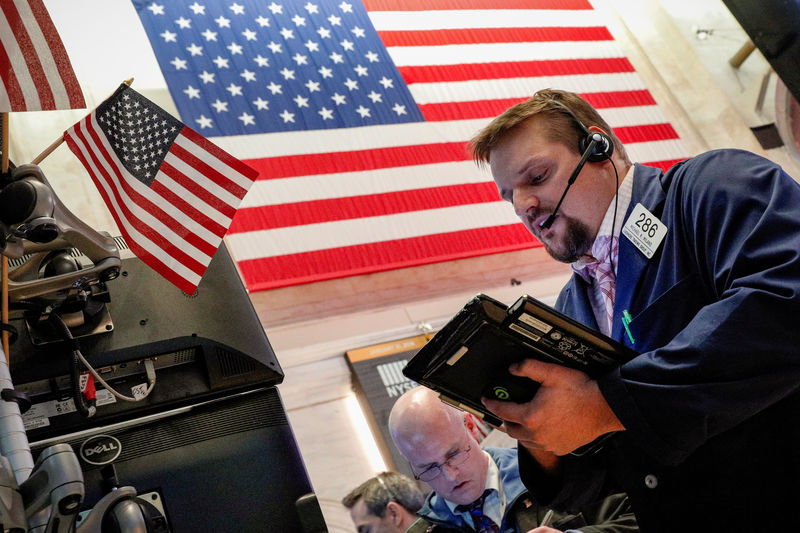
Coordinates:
(480, 490)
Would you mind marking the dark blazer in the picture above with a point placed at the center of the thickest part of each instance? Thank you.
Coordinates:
(711, 405)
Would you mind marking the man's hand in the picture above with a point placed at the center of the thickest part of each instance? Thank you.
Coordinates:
(567, 412)
(544, 529)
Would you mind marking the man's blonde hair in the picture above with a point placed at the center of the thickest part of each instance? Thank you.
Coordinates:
(551, 104)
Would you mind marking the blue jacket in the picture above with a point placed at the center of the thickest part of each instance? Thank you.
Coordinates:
(611, 515)
(711, 405)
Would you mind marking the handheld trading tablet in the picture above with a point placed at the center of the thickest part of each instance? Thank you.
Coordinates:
(469, 357)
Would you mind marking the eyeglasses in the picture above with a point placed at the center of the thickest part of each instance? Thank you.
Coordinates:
(432, 472)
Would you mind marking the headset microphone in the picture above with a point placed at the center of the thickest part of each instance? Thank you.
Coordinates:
(595, 139)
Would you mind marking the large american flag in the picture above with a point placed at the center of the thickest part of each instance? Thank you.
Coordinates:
(356, 115)
(171, 192)
(35, 72)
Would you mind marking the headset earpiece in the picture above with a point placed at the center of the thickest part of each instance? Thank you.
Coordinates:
(603, 147)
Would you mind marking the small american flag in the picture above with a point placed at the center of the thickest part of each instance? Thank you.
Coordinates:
(35, 72)
(172, 193)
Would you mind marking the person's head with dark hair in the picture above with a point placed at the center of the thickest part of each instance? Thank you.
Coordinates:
(386, 503)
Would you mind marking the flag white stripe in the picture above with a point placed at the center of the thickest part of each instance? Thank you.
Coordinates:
(214, 162)
(5, 101)
(456, 54)
(493, 89)
(189, 197)
(371, 137)
(189, 171)
(387, 180)
(91, 148)
(18, 65)
(136, 210)
(298, 239)
(346, 184)
(482, 18)
(45, 54)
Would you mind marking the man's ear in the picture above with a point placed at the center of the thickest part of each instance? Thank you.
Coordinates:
(394, 510)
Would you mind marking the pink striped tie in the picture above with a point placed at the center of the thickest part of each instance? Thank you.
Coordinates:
(605, 247)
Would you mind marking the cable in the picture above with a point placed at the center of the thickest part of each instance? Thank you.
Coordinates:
(614, 222)
(78, 356)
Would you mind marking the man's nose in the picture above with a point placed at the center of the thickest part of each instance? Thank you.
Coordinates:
(523, 201)
(450, 471)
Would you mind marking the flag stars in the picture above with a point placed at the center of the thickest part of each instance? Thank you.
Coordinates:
(334, 20)
(325, 113)
(311, 46)
(298, 20)
(311, 8)
(286, 33)
(221, 62)
(157, 9)
(247, 119)
(339, 99)
(234, 48)
(286, 116)
(351, 84)
(223, 22)
(324, 33)
(358, 32)
(300, 101)
(238, 9)
(248, 75)
(261, 60)
(363, 111)
(372, 57)
(261, 104)
(180, 64)
(360, 70)
(195, 50)
(287, 74)
(274, 88)
(209, 35)
(262, 21)
(347, 45)
(300, 59)
(235, 90)
(249, 34)
(276, 48)
(325, 72)
(345, 7)
(169, 36)
(386, 82)
(275, 8)
(399, 109)
(336, 58)
(207, 77)
(191, 92)
(198, 9)
(220, 106)
(204, 122)
(375, 97)
(183, 23)
(312, 86)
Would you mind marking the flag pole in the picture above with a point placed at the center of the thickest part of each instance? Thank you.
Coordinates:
(4, 261)
(55, 144)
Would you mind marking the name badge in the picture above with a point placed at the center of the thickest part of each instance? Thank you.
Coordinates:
(644, 230)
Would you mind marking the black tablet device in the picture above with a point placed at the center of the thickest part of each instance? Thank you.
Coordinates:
(469, 357)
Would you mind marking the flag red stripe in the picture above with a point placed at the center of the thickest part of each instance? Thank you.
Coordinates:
(369, 205)
(491, 108)
(513, 69)
(358, 160)
(664, 165)
(187, 208)
(272, 272)
(193, 187)
(146, 230)
(219, 153)
(432, 5)
(645, 133)
(35, 69)
(207, 171)
(140, 252)
(493, 35)
(59, 53)
(10, 82)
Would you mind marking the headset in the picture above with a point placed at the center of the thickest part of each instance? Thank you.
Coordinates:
(594, 146)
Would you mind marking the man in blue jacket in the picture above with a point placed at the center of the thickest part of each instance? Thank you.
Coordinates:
(696, 268)
(478, 489)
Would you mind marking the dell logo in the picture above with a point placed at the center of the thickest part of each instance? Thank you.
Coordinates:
(100, 449)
